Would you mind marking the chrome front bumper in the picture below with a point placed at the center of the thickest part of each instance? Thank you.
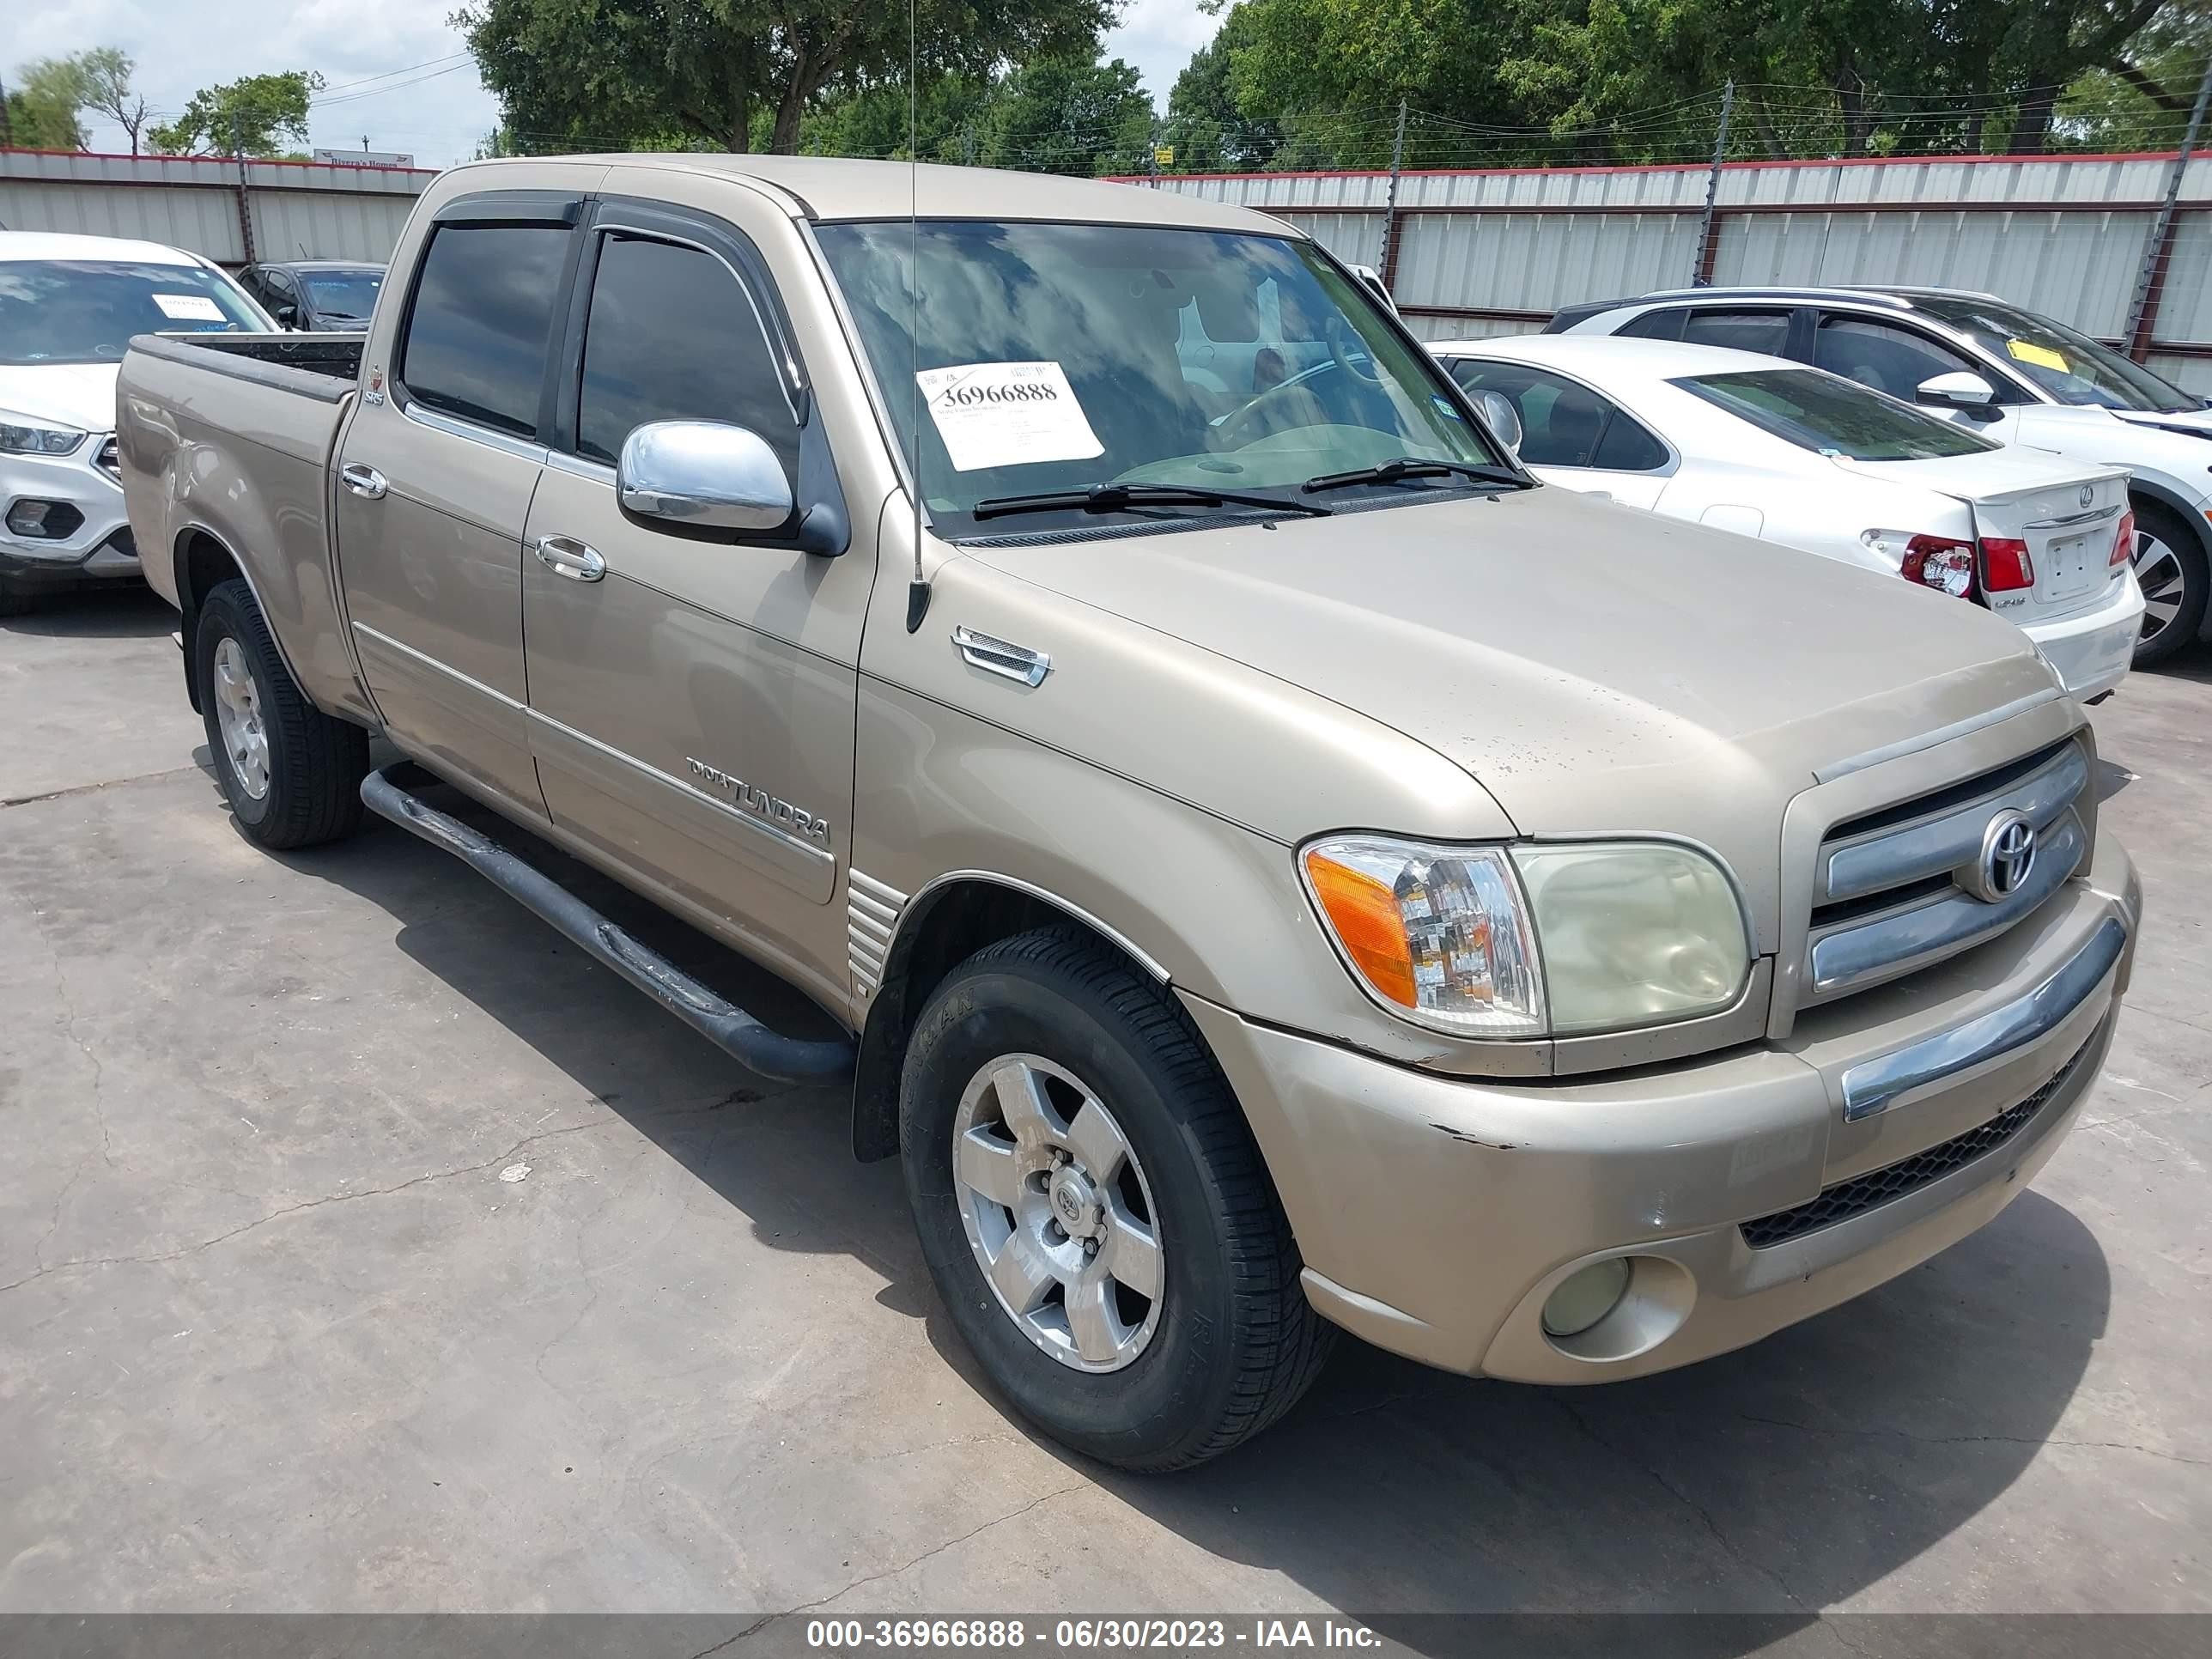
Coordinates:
(1436, 1215)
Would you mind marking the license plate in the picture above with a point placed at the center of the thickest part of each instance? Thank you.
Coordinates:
(2076, 562)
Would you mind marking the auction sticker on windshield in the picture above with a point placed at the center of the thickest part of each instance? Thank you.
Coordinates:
(189, 308)
(1007, 414)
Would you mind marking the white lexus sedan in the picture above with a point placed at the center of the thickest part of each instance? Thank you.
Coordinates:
(1808, 460)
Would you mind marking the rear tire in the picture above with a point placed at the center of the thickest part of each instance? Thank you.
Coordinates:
(2170, 564)
(1178, 1204)
(291, 772)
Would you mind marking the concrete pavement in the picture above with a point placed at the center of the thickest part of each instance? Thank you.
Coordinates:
(364, 1248)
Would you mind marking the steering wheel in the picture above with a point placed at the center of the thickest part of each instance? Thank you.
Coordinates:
(1340, 347)
(1235, 429)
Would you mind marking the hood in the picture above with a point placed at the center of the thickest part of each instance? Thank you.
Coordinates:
(2196, 422)
(2174, 445)
(70, 394)
(1595, 667)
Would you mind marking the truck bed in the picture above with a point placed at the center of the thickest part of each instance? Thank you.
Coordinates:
(225, 443)
(324, 365)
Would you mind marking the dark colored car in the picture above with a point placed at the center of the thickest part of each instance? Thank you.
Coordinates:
(328, 296)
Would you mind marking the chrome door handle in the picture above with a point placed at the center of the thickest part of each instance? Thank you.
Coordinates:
(364, 481)
(566, 557)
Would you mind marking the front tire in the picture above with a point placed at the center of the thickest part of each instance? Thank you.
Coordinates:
(1094, 1212)
(2170, 564)
(291, 772)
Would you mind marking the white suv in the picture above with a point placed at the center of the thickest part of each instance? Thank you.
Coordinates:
(69, 306)
(2011, 375)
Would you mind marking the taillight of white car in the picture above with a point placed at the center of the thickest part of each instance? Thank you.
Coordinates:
(1999, 564)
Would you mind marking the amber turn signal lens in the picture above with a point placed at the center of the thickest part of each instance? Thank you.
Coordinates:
(1368, 924)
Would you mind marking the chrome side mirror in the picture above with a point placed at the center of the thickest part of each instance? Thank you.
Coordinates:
(1959, 389)
(706, 475)
(1504, 420)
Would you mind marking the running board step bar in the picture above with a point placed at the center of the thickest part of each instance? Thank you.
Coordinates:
(728, 1027)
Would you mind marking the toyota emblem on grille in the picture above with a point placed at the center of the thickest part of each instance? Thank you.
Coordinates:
(2007, 854)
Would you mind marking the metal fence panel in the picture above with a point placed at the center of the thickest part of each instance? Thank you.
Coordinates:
(300, 209)
(1497, 251)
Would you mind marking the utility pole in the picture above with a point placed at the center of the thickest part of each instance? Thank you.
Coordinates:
(244, 205)
(1152, 151)
(2158, 247)
(1701, 273)
(1387, 263)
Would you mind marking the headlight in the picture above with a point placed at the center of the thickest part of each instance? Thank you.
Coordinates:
(20, 437)
(1634, 933)
(1439, 933)
(1631, 933)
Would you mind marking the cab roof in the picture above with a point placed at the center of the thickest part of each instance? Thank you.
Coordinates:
(825, 188)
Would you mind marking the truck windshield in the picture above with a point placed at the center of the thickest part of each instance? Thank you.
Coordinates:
(1832, 417)
(2071, 366)
(85, 311)
(1060, 358)
(343, 293)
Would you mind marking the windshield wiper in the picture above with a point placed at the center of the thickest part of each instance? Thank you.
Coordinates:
(1122, 497)
(1409, 467)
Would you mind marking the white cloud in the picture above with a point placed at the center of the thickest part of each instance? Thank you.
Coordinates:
(181, 46)
(1159, 37)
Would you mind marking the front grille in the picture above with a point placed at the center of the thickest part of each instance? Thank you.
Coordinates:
(1888, 897)
(1879, 1187)
(108, 462)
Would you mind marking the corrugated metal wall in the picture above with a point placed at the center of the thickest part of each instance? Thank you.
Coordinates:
(1490, 252)
(301, 211)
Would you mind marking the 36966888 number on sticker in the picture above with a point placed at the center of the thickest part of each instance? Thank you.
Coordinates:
(1007, 414)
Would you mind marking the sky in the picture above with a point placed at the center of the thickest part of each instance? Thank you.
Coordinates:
(396, 69)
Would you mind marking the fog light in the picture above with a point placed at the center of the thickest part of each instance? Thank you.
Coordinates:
(49, 521)
(28, 517)
(1584, 1297)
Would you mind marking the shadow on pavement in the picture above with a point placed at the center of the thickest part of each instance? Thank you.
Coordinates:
(1778, 1480)
(121, 612)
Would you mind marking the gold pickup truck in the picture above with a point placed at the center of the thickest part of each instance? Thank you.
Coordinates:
(1274, 867)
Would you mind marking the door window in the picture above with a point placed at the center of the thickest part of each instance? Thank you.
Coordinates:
(672, 336)
(1564, 423)
(476, 334)
(1764, 332)
(1883, 356)
(1666, 325)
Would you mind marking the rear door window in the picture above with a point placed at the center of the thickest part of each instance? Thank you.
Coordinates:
(483, 315)
(672, 335)
(1663, 325)
(1564, 423)
(1765, 330)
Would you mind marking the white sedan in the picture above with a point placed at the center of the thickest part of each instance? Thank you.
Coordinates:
(1808, 460)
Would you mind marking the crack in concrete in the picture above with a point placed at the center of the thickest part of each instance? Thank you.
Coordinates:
(906, 1566)
(1704, 1515)
(1974, 1439)
(308, 1204)
(93, 788)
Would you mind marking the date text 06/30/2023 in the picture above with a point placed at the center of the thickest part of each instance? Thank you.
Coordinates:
(1087, 1635)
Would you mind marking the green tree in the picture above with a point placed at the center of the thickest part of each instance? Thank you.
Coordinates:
(254, 115)
(107, 90)
(1070, 115)
(42, 111)
(1496, 82)
(595, 72)
(1206, 129)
